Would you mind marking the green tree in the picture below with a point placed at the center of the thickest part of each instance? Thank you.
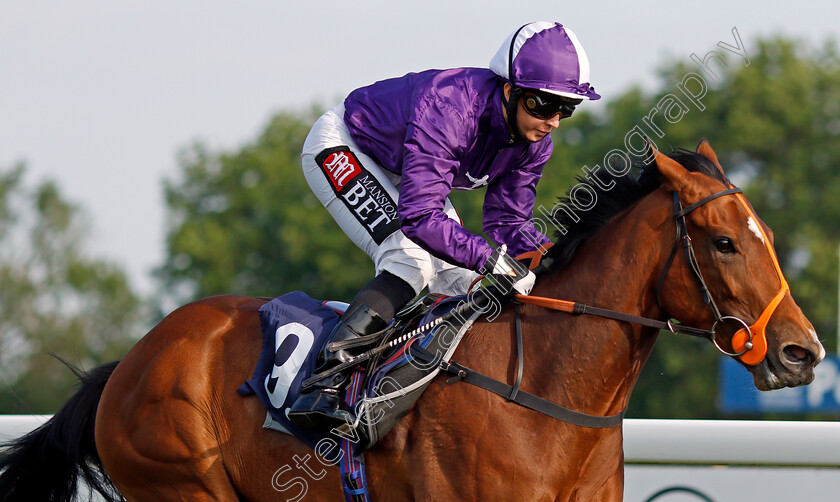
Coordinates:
(247, 223)
(53, 298)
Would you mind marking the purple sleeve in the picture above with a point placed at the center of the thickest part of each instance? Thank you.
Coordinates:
(509, 208)
(434, 142)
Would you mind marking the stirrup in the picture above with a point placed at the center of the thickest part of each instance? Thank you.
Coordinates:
(317, 377)
(320, 407)
(421, 306)
(356, 342)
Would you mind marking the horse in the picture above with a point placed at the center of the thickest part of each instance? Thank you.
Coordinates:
(166, 423)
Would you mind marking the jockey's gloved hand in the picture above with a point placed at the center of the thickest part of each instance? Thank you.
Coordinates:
(507, 274)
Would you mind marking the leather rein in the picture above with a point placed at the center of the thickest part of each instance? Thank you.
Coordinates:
(750, 354)
(749, 342)
(676, 328)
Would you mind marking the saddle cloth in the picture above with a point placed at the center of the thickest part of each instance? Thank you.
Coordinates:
(295, 329)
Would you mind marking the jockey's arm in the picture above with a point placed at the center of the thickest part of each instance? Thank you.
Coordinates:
(509, 209)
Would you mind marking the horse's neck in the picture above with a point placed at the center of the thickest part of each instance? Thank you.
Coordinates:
(619, 267)
(590, 361)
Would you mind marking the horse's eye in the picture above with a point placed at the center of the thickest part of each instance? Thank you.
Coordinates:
(725, 245)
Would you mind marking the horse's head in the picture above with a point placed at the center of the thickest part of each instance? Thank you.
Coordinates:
(748, 294)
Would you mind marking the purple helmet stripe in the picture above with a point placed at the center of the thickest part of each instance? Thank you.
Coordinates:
(545, 56)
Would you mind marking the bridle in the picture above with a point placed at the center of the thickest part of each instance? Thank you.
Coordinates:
(749, 343)
(691, 257)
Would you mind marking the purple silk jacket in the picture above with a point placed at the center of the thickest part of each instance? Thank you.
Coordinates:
(442, 130)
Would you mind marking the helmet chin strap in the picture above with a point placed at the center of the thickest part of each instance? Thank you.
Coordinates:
(511, 107)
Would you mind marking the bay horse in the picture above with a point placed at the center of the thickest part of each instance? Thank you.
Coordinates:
(166, 422)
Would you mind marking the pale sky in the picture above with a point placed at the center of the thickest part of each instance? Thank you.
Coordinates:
(100, 95)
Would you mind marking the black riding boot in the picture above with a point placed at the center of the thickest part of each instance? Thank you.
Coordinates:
(321, 406)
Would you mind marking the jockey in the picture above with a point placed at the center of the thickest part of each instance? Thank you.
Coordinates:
(384, 162)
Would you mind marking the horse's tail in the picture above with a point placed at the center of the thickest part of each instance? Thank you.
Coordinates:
(46, 464)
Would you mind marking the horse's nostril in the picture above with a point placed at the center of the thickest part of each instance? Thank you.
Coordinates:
(797, 354)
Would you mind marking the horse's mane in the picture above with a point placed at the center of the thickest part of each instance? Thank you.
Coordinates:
(642, 179)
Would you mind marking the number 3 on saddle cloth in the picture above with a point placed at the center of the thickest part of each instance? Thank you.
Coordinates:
(295, 328)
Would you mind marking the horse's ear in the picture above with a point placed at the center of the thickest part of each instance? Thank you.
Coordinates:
(676, 176)
(705, 149)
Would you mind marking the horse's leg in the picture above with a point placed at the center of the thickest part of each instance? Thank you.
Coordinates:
(152, 429)
(155, 430)
(612, 490)
(170, 425)
(172, 466)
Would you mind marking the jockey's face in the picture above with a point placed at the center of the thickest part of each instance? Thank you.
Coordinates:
(531, 128)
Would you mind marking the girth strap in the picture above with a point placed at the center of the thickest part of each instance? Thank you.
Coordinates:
(520, 355)
(522, 398)
(528, 400)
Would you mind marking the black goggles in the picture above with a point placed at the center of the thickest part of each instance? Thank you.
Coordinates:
(544, 106)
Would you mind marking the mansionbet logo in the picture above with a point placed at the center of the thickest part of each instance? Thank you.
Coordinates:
(341, 167)
(368, 201)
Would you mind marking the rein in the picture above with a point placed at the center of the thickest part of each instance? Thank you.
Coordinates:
(515, 394)
(682, 235)
(580, 308)
(750, 341)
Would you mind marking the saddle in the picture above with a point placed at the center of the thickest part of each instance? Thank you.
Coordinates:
(388, 378)
(406, 360)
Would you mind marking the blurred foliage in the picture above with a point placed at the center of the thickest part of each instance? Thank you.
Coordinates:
(53, 299)
(247, 223)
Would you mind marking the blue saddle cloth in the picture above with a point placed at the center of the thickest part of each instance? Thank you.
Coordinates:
(295, 327)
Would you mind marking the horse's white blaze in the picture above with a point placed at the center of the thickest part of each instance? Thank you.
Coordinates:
(753, 226)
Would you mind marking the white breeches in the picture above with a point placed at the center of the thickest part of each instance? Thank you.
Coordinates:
(367, 216)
